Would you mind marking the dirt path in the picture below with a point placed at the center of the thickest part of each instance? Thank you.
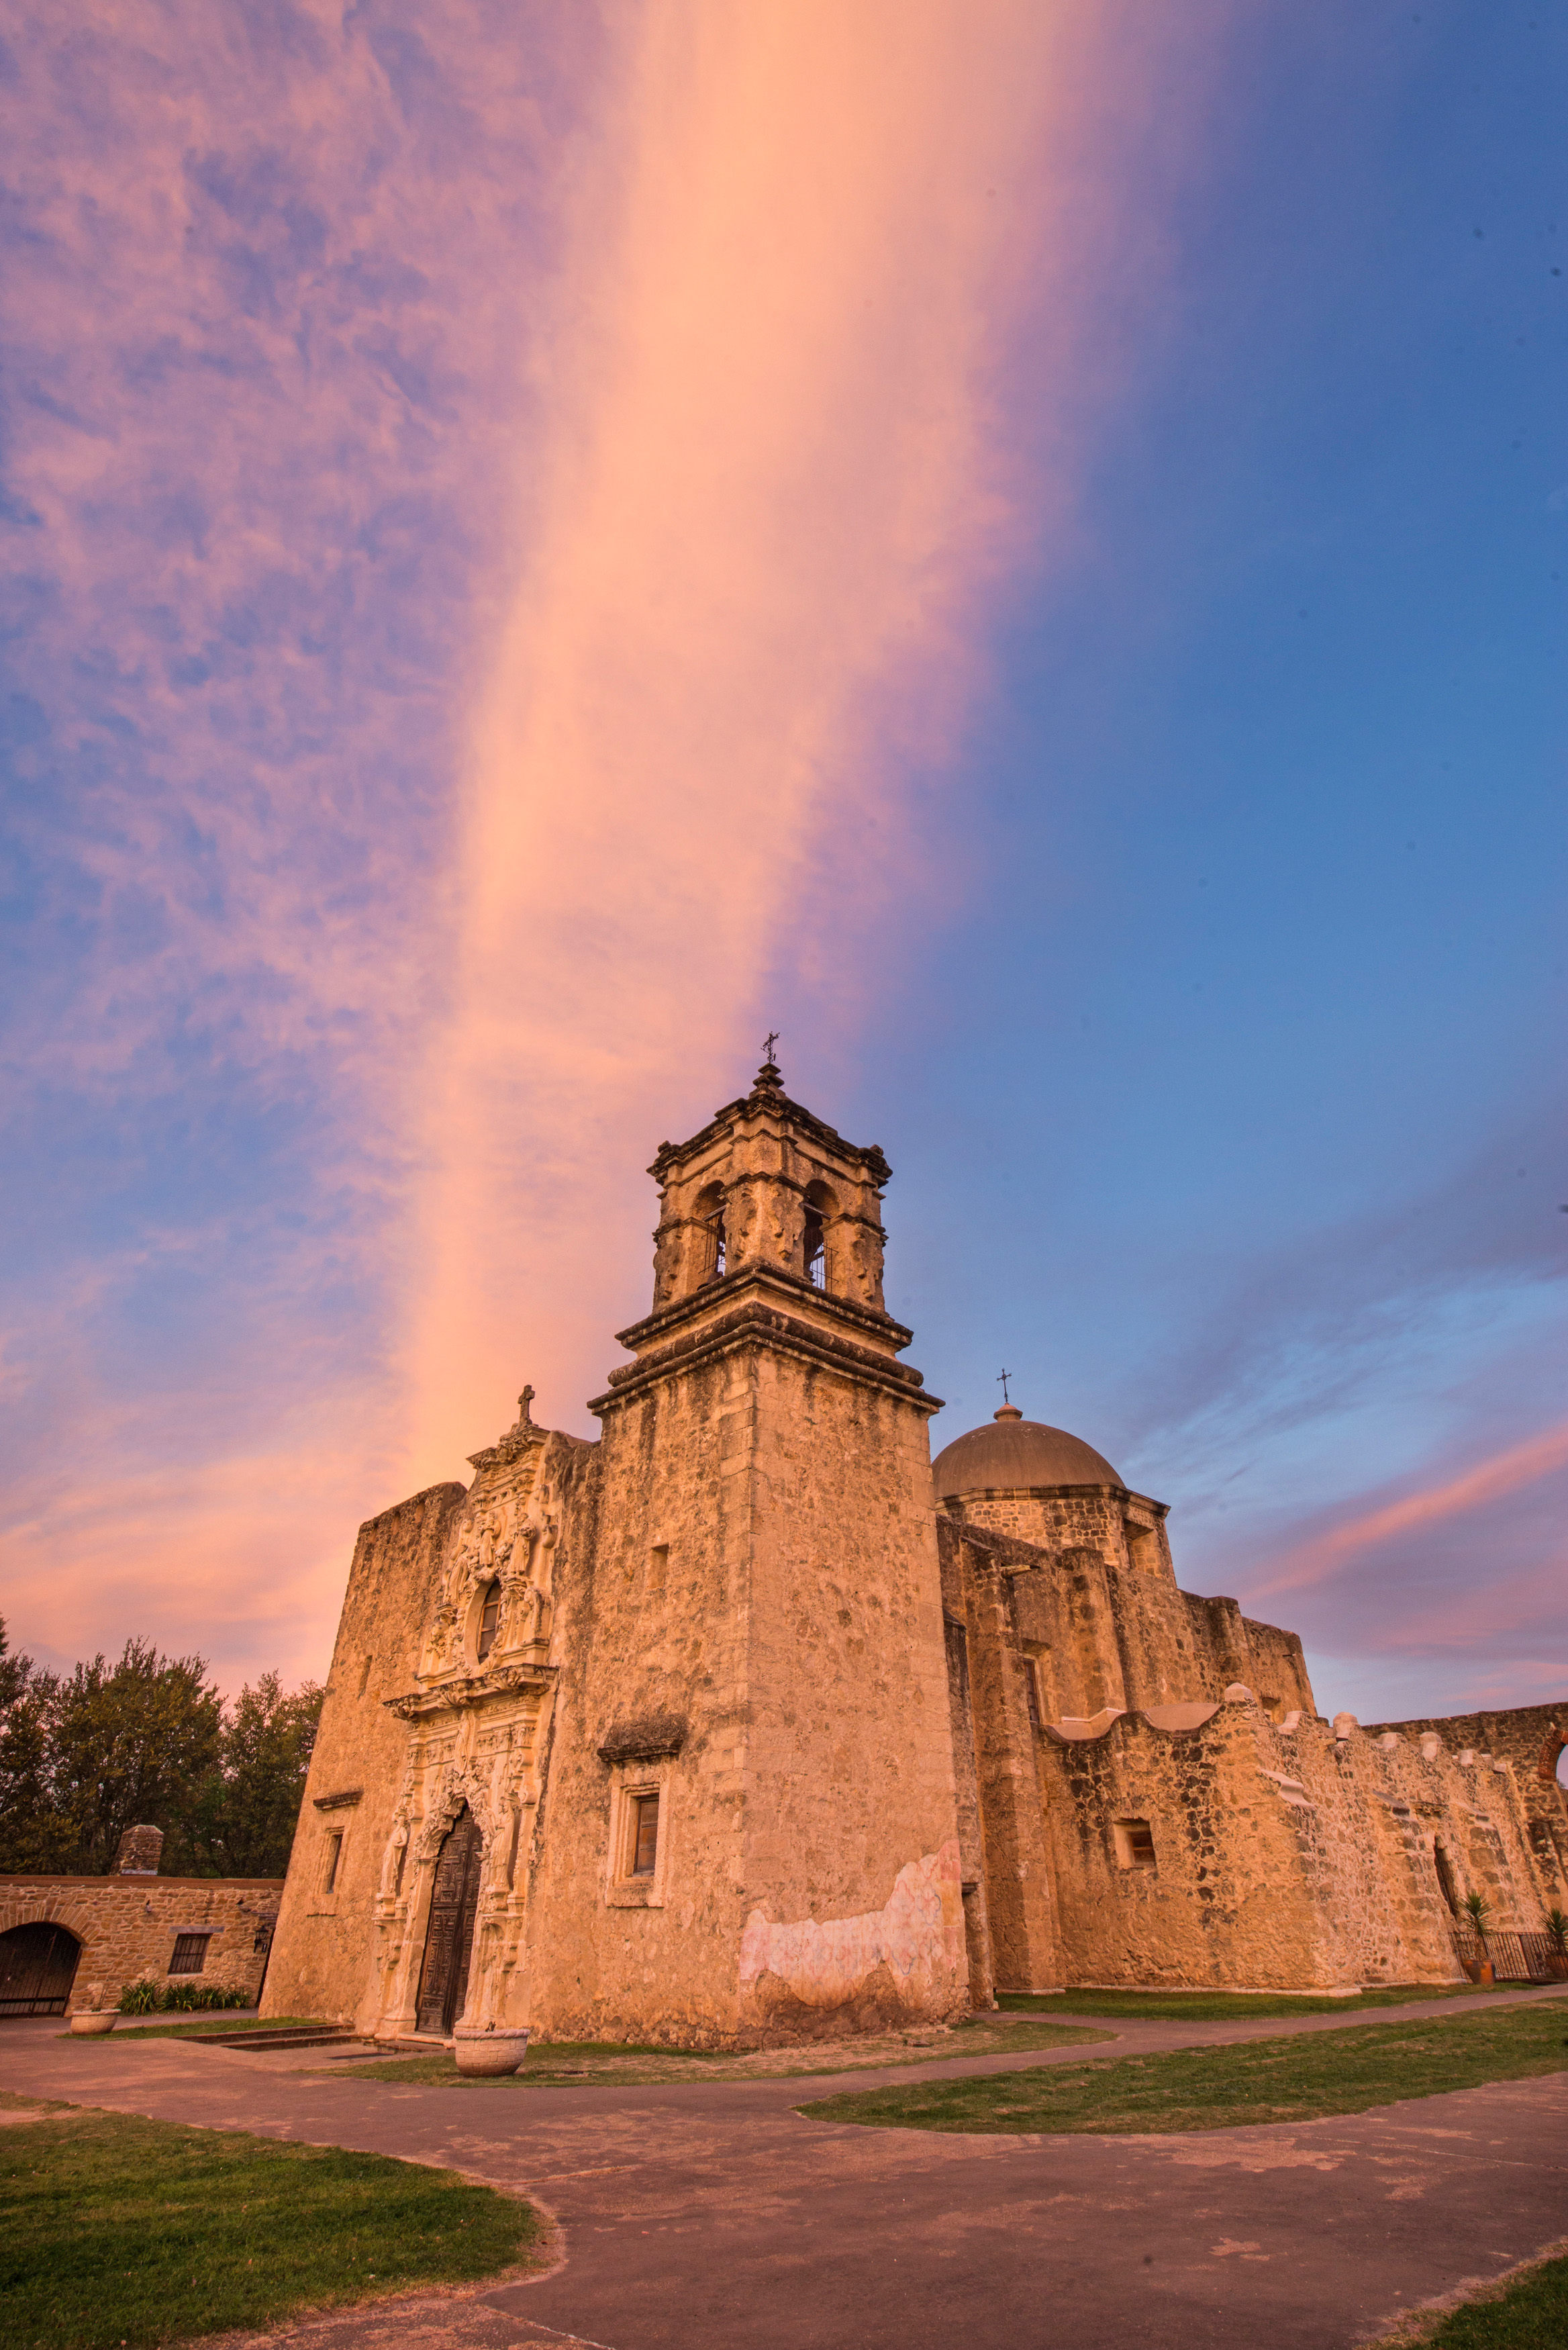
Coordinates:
(711, 2215)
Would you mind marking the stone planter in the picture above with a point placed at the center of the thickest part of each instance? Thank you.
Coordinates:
(1479, 1970)
(490, 2049)
(91, 2025)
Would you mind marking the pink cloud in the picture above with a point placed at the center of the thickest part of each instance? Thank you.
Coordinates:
(1489, 1481)
(510, 525)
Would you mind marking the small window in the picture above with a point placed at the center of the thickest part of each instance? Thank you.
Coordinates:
(645, 1835)
(189, 1954)
(334, 1855)
(1135, 1844)
(489, 1620)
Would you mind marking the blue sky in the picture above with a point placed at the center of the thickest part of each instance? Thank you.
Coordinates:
(1177, 894)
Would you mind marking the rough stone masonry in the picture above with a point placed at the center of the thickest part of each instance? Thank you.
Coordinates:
(748, 1723)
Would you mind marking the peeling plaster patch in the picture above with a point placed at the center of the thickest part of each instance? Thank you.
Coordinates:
(920, 1932)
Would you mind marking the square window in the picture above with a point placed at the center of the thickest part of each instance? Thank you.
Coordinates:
(1135, 1844)
(189, 1954)
(644, 1834)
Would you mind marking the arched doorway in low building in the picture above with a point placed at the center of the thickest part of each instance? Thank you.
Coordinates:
(449, 1936)
(37, 1968)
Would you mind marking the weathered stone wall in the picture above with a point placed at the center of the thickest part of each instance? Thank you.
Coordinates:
(1532, 1739)
(1284, 1856)
(127, 1927)
(322, 1957)
(1108, 1619)
(987, 1586)
(762, 1569)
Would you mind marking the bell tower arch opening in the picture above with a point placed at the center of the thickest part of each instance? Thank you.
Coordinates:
(821, 1207)
(710, 1249)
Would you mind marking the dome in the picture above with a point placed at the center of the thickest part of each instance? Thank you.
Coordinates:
(1014, 1451)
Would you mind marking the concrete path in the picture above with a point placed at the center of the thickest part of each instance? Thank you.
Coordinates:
(708, 2217)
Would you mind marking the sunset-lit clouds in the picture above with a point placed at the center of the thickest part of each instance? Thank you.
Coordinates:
(1010, 543)
(777, 487)
(503, 527)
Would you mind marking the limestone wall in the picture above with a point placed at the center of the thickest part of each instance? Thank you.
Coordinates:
(760, 1586)
(127, 1927)
(1105, 1616)
(322, 1957)
(1532, 1740)
(1282, 1856)
(988, 1589)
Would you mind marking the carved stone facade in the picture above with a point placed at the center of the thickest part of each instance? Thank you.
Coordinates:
(740, 1725)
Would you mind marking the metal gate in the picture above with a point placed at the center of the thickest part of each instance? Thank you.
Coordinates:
(449, 1938)
(1515, 1958)
(38, 1967)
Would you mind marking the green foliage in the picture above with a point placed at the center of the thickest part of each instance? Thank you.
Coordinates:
(1285, 2080)
(120, 2230)
(150, 1997)
(1477, 1910)
(31, 1836)
(201, 1998)
(128, 1742)
(1529, 2313)
(1557, 1931)
(84, 1757)
(244, 1817)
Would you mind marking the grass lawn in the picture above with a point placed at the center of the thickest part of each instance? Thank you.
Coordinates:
(1219, 2006)
(1529, 2313)
(120, 2230)
(551, 2064)
(1287, 2080)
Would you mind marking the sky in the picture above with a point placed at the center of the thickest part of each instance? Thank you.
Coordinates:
(1021, 546)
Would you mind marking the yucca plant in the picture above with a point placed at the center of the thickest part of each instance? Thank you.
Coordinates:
(1477, 1910)
(1557, 1931)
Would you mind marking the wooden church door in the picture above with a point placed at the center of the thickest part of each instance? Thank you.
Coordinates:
(449, 1938)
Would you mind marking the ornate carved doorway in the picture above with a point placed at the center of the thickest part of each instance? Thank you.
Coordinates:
(449, 1938)
(37, 1965)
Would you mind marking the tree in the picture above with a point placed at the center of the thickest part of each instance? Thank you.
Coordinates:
(246, 1817)
(149, 1739)
(33, 1839)
(134, 1743)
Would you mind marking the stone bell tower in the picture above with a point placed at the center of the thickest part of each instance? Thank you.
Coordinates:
(762, 1678)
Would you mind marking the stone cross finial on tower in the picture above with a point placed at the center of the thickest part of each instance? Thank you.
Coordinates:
(524, 1400)
(768, 1074)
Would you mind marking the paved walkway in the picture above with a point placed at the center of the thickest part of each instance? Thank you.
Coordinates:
(711, 2215)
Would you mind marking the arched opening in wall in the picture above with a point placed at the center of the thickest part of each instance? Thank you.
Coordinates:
(1551, 1765)
(820, 1205)
(488, 1621)
(708, 1239)
(1443, 1866)
(449, 1936)
(38, 1967)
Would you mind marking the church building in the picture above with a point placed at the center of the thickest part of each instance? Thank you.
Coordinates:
(749, 1723)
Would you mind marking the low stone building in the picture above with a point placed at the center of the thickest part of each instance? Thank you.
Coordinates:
(70, 1943)
(748, 1723)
